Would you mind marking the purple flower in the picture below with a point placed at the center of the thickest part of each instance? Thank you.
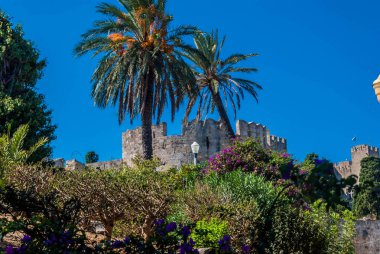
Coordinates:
(285, 155)
(9, 249)
(226, 238)
(26, 239)
(159, 222)
(117, 244)
(318, 162)
(286, 175)
(224, 244)
(171, 227)
(52, 240)
(245, 249)
(185, 231)
(127, 240)
(307, 207)
(21, 249)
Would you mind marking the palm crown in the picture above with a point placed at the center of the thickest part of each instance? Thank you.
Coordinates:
(215, 78)
(141, 68)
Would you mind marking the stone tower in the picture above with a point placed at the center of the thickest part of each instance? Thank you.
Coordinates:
(347, 168)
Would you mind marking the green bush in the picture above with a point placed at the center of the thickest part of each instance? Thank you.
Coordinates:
(207, 233)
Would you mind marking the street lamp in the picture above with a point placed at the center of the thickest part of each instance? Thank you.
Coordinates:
(376, 87)
(195, 150)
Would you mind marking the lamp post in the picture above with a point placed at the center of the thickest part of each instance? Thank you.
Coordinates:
(195, 150)
(376, 87)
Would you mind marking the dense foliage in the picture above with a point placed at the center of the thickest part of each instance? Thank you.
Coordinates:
(260, 205)
(92, 157)
(367, 194)
(20, 103)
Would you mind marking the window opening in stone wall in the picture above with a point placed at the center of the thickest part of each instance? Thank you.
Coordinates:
(154, 134)
(207, 143)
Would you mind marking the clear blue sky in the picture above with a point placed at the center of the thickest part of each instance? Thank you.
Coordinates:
(317, 62)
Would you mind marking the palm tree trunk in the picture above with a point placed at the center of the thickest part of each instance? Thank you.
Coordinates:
(146, 119)
(223, 114)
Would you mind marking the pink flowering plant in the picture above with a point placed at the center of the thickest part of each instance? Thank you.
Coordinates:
(250, 156)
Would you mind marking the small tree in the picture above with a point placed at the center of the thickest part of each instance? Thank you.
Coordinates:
(92, 157)
(320, 182)
(367, 195)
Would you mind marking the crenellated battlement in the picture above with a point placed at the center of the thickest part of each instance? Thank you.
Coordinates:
(210, 134)
(353, 167)
(365, 148)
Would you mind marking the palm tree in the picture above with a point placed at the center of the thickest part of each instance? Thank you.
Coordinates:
(140, 68)
(12, 150)
(215, 80)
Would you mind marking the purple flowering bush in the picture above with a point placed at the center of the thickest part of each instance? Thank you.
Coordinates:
(167, 238)
(250, 156)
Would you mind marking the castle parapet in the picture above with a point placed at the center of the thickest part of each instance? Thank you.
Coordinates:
(365, 148)
(210, 134)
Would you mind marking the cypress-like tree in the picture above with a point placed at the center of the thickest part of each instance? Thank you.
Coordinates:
(367, 195)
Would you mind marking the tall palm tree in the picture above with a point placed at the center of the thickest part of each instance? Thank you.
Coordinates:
(140, 68)
(216, 81)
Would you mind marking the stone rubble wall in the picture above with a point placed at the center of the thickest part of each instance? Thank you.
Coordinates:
(367, 240)
(106, 164)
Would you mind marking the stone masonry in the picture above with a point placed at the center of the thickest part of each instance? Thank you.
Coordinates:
(347, 168)
(209, 134)
(367, 240)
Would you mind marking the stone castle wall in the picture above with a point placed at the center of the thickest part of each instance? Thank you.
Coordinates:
(367, 240)
(211, 135)
(347, 168)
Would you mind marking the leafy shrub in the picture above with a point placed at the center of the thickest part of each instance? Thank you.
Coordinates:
(207, 233)
(136, 196)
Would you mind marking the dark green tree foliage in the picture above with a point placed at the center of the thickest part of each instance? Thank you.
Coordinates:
(20, 103)
(367, 196)
(321, 182)
(92, 157)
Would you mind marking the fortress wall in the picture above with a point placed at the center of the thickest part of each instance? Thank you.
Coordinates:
(353, 167)
(367, 240)
(105, 165)
(360, 152)
(344, 168)
(211, 135)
